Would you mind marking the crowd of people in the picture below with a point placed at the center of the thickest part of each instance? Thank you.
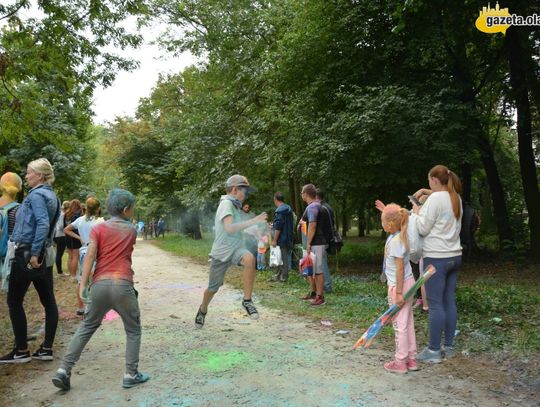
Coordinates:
(100, 253)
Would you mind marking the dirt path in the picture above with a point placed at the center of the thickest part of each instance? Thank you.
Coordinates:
(276, 361)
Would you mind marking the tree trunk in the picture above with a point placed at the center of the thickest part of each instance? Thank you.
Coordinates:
(466, 178)
(292, 194)
(506, 237)
(462, 72)
(517, 57)
(344, 223)
(361, 223)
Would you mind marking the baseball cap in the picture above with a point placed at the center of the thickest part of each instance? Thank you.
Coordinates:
(240, 181)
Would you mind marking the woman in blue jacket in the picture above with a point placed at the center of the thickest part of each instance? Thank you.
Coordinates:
(35, 218)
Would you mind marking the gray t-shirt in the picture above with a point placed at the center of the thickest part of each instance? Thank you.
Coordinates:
(226, 244)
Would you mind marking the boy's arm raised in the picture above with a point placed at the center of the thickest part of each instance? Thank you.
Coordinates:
(232, 228)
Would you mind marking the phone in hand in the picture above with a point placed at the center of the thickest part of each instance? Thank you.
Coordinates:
(415, 201)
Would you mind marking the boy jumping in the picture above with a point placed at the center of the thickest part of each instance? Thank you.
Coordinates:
(228, 248)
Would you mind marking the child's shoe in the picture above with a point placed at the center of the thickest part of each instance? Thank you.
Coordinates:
(133, 380)
(396, 367)
(411, 365)
(61, 379)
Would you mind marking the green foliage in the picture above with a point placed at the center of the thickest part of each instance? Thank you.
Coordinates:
(50, 63)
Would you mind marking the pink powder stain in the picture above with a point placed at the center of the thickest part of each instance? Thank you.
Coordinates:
(111, 316)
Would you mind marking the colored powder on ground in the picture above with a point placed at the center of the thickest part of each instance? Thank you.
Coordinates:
(221, 361)
(111, 316)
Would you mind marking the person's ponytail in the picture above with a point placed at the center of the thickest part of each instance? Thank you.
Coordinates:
(404, 213)
(454, 189)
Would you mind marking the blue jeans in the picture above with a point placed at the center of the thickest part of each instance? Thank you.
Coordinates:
(441, 296)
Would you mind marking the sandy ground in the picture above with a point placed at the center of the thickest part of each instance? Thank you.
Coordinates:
(278, 360)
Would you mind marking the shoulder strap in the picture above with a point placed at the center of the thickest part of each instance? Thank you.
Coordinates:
(10, 206)
(55, 219)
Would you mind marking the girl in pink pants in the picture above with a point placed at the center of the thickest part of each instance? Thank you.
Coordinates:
(397, 269)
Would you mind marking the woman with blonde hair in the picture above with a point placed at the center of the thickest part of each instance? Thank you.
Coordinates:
(11, 185)
(439, 221)
(32, 236)
(84, 225)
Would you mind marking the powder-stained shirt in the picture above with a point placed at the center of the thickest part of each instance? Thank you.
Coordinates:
(225, 244)
(115, 240)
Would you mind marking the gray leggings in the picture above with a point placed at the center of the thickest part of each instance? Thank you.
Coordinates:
(105, 295)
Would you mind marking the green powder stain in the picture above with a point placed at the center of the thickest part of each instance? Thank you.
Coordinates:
(220, 361)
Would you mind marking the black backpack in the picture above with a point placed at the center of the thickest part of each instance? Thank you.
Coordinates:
(332, 236)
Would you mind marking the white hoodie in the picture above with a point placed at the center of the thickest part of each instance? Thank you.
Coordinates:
(440, 228)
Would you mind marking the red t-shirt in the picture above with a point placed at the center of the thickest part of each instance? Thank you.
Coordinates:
(115, 240)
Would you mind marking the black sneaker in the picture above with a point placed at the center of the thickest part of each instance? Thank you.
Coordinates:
(43, 354)
(16, 356)
(199, 319)
(61, 379)
(250, 309)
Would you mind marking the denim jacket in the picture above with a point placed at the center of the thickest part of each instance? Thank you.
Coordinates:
(34, 218)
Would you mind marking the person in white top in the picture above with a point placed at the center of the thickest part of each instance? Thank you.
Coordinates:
(397, 268)
(439, 222)
(84, 225)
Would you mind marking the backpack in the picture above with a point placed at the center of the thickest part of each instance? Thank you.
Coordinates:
(4, 235)
(416, 242)
(332, 236)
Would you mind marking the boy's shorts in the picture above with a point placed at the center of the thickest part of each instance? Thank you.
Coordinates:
(218, 268)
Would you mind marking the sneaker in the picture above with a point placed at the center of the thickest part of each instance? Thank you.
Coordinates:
(130, 381)
(418, 303)
(199, 319)
(429, 356)
(16, 356)
(310, 296)
(319, 300)
(43, 354)
(61, 379)
(411, 365)
(250, 309)
(396, 367)
(448, 352)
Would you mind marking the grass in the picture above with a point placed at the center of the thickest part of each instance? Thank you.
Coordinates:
(498, 302)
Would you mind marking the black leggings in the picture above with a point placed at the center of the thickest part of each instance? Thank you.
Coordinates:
(60, 248)
(18, 286)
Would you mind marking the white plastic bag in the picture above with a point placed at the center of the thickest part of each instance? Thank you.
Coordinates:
(275, 256)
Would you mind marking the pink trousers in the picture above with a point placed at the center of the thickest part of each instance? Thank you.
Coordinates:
(403, 324)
